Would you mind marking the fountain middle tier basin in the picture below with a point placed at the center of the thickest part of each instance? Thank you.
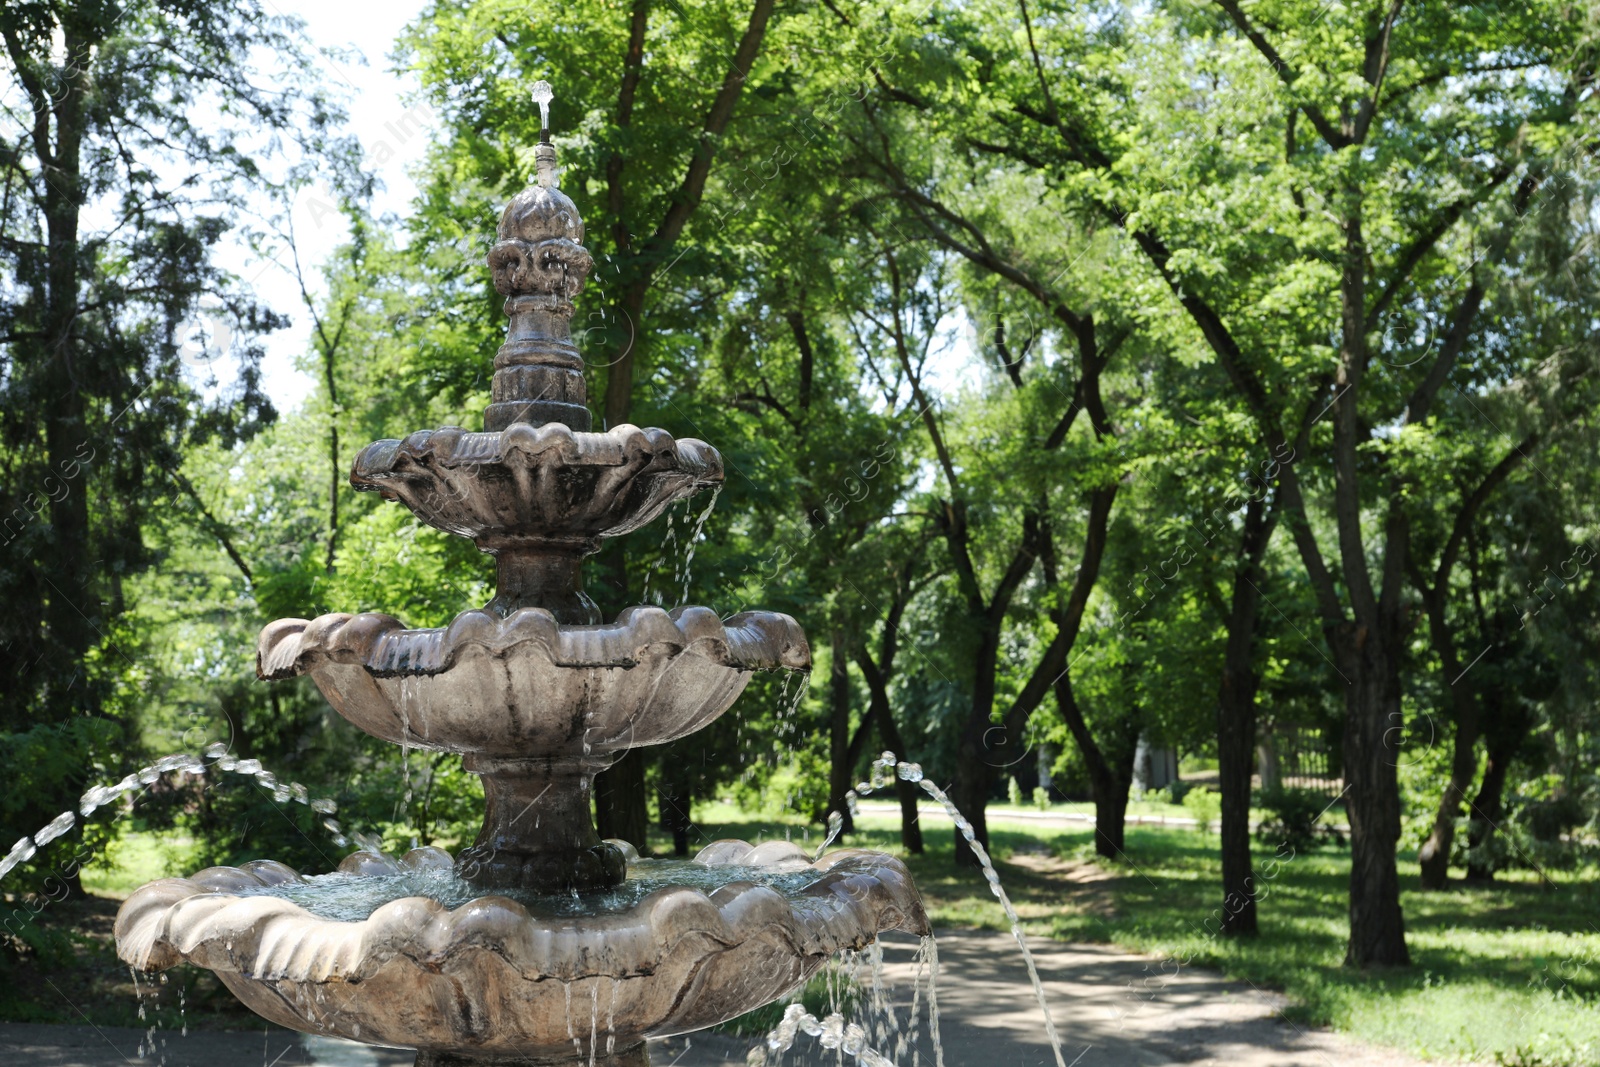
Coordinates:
(493, 977)
(524, 685)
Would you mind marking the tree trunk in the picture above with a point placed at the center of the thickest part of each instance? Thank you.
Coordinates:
(73, 607)
(1504, 737)
(974, 779)
(1434, 856)
(908, 792)
(1110, 794)
(1372, 803)
(620, 806)
(841, 766)
(1236, 726)
(1109, 777)
(674, 803)
(970, 791)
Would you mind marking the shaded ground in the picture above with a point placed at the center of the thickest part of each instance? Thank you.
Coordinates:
(1504, 973)
(1112, 1009)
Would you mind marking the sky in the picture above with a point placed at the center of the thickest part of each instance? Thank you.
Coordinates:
(393, 135)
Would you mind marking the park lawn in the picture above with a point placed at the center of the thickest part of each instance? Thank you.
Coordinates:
(136, 857)
(1508, 974)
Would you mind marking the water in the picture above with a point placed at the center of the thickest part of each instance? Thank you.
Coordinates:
(682, 573)
(353, 897)
(789, 698)
(668, 543)
(215, 757)
(408, 699)
(884, 769)
(835, 825)
(831, 1032)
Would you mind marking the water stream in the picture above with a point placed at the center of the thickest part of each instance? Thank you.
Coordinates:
(884, 770)
(668, 541)
(682, 575)
(215, 757)
(831, 1032)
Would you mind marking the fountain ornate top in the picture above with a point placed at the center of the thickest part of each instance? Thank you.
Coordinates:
(539, 265)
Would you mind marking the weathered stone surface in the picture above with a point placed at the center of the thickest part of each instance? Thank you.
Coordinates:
(538, 486)
(528, 686)
(488, 978)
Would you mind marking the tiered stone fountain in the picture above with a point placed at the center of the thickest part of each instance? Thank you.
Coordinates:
(539, 943)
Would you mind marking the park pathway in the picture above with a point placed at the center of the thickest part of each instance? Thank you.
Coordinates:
(1112, 1008)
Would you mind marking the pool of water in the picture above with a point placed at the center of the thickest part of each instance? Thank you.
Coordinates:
(353, 897)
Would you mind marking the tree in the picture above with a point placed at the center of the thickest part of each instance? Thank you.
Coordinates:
(114, 193)
(1381, 89)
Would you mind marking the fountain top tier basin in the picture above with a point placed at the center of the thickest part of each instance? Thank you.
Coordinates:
(538, 488)
(495, 976)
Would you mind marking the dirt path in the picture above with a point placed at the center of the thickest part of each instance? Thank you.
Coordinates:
(1112, 1008)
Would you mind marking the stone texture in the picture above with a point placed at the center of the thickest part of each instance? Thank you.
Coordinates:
(526, 685)
(538, 486)
(489, 979)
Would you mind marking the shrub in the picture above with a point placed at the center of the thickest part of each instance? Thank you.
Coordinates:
(1041, 797)
(1014, 791)
(1178, 790)
(1204, 806)
(1293, 818)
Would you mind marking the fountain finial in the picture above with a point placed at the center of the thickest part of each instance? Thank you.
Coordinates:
(539, 265)
(542, 95)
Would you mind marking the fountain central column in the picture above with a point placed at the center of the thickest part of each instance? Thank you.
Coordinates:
(537, 831)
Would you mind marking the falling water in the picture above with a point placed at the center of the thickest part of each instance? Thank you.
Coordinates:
(911, 772)
(835, 825)
(682, 574)
(594, 1018)
(408, 699)
(215, 756)
(667, 552)
(832, 1032)
(790, 697)
(921, 965)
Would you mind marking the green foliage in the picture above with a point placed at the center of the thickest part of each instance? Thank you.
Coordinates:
(876, 290)
(1203, 806)
(1295, 818)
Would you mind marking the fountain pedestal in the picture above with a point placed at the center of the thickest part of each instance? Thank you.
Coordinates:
(537, 831)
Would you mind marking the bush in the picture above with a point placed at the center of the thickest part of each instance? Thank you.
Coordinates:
(1014, 791)
(1179, 789)
(1293, 818)
(1204, 806)
(1041, 798)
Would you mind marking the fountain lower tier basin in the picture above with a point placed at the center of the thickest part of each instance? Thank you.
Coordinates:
(525, 685)
(494, 979)
(537, 485)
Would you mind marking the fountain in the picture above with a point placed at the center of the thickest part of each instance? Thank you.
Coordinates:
(539, 943)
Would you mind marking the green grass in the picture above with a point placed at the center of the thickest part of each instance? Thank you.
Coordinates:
(137, 857)
(1506, 974)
